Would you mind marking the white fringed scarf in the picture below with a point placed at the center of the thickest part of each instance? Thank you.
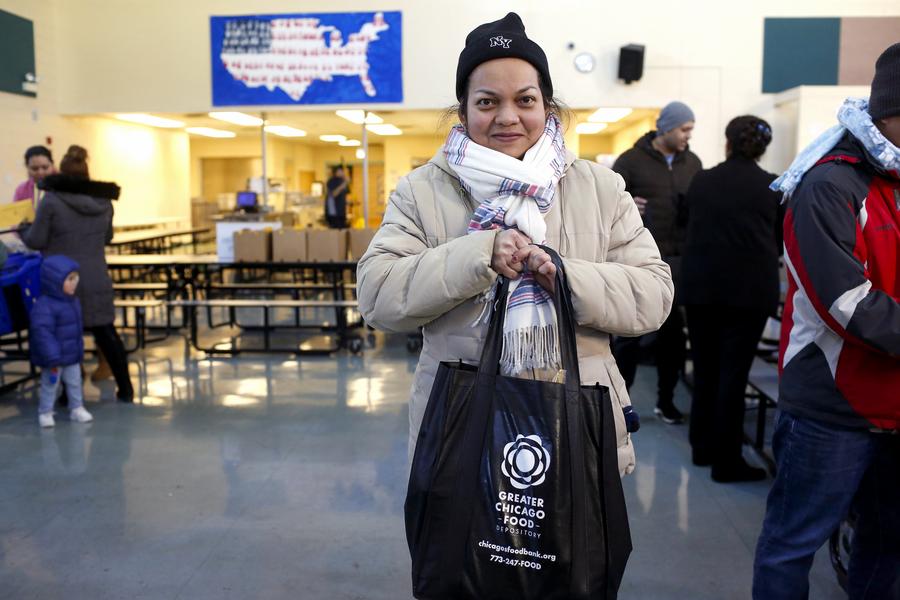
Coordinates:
(516, 194)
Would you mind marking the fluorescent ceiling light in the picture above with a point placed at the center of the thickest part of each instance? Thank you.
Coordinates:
(384, 129)
(609, 115)
(349, 143)
(210, 132)
(285, 131)
(589, 128)
(329, 137)
(237, 118)
(145, 119)
(360, 154)
(358, 116)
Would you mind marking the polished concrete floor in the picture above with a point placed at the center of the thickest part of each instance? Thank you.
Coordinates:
(270, 477)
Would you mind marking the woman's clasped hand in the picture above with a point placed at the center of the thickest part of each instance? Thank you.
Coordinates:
(514, 252)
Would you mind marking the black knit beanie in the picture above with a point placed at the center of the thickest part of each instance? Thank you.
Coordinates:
(501, 39)
(884, 100)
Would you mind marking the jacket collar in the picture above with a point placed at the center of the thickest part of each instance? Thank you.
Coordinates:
(78, 185)
(645, 143)
(851, 147)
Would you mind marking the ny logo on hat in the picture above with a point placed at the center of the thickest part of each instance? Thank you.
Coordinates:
(499, 40)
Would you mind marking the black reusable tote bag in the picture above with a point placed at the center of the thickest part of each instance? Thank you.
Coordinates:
(514, 490)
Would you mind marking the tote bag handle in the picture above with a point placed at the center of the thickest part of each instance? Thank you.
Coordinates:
(489, 365)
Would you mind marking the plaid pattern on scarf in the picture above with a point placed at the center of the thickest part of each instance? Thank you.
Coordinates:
(515, 194)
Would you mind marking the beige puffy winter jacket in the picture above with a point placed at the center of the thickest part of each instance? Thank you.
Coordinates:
(423, 270)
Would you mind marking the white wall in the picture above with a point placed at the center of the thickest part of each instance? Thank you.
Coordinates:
(151, 165)
(103, 56)
(706, 53)
(28, 121)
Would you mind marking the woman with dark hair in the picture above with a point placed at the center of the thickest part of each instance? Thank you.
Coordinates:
(502, 183)
(730, 288)
(75, 219)
(39, 162)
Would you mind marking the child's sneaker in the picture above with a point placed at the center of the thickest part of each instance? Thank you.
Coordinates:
(80, 415)
(46, 419)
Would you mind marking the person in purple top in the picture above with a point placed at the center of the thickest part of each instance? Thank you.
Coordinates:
(39, 162)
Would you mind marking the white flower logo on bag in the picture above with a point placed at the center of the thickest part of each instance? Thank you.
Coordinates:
(525, 461)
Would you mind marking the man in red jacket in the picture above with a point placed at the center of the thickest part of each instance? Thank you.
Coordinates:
(836, 437)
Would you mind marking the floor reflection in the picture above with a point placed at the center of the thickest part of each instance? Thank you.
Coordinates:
(284, 477)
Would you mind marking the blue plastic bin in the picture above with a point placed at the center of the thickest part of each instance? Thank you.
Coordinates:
(20, 282)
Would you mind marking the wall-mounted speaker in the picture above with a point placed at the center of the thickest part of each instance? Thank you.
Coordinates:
(631, 62)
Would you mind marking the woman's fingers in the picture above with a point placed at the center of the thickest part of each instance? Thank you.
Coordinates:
(512, 252)
(548, 269)
(521, 240)
(508, 272)
(537, 258)
(503, 268)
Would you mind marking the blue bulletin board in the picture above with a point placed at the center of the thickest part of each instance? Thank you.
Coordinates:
(317, 58)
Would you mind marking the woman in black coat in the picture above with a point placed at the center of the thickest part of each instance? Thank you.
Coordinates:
(730, 286)
(74, 219)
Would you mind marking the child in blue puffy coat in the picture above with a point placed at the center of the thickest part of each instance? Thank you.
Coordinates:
(56, 339)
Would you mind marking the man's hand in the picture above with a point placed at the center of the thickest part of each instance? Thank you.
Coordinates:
(504, 260)
(641, 204)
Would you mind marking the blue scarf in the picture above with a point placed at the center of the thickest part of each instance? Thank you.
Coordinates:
(853, 116)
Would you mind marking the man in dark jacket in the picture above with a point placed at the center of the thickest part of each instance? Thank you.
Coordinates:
(336, 198)
(56, 339)
(836, 437)
(657, 173)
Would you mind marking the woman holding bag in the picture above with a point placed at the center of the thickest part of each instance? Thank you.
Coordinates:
(512, 255)
(502, 182)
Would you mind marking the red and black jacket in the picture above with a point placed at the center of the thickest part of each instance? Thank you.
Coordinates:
(840, 336)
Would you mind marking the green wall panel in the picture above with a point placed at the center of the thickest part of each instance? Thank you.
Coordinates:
(16, 52)
(800, 52)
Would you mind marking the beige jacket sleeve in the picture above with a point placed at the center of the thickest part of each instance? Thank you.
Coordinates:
(406, 280)
(631, 292)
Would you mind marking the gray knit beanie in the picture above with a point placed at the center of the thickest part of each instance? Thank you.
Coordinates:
(674, 114)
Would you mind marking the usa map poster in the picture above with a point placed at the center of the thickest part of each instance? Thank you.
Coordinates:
(321, 58)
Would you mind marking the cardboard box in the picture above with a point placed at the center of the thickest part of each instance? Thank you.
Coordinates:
(225, 231)
(326, 245)
(359, 242)
(202, 212)
(253, 245)
(287, 219)
(289, 245)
